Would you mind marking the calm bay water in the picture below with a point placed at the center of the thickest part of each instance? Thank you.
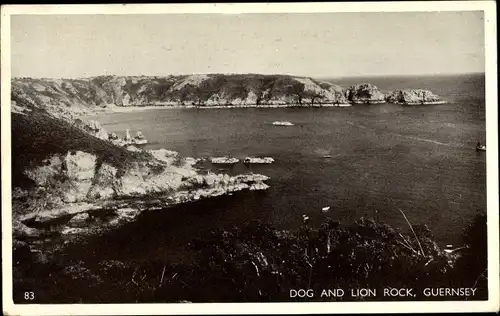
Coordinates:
(383, 157)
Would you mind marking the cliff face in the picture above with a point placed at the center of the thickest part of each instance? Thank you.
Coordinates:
(413, 96)
(211, 90)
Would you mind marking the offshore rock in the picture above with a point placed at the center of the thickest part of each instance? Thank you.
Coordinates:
(365, 93)
(259, 160)
(224, 160)
(282, 123)
(413, 97)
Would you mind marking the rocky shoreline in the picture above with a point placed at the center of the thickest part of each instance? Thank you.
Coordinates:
(421, 103)
(72, 207)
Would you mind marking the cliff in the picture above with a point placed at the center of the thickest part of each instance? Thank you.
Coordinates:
(69, 98)
(84, 95)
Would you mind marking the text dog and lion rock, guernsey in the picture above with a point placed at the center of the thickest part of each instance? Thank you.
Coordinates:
(386, 292)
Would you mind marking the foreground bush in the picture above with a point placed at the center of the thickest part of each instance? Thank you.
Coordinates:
(257, 262)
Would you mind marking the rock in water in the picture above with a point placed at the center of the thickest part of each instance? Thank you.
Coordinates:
(413, 96)
(365, 93)
(264, 160)
(224, 160)
(282, 123)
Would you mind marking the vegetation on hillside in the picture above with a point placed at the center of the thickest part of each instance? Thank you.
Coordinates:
(258, 263)
(39, 135)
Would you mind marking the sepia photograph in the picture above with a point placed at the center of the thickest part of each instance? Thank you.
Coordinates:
(184, 154)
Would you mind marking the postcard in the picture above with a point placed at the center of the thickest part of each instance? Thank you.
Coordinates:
(250, 158)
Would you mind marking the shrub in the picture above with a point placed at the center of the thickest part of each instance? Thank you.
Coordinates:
(257, 262)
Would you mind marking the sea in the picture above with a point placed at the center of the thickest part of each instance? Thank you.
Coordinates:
(361, 161)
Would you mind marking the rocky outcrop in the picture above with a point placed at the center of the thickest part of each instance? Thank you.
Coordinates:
(92, 127)
(167, 156)
(67, 179)
(413, 97)
(365, 93)
(19, 109)
(74, 187)
(79, 220)
(77, 177)
(259, 186)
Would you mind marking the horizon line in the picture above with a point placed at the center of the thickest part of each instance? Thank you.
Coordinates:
(265, 74)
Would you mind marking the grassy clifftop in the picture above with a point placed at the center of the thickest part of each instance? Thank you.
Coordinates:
(38, 136)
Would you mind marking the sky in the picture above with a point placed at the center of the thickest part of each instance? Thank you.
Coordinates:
(304, 44)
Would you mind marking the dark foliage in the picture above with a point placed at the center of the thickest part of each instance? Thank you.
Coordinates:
(258, 263)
